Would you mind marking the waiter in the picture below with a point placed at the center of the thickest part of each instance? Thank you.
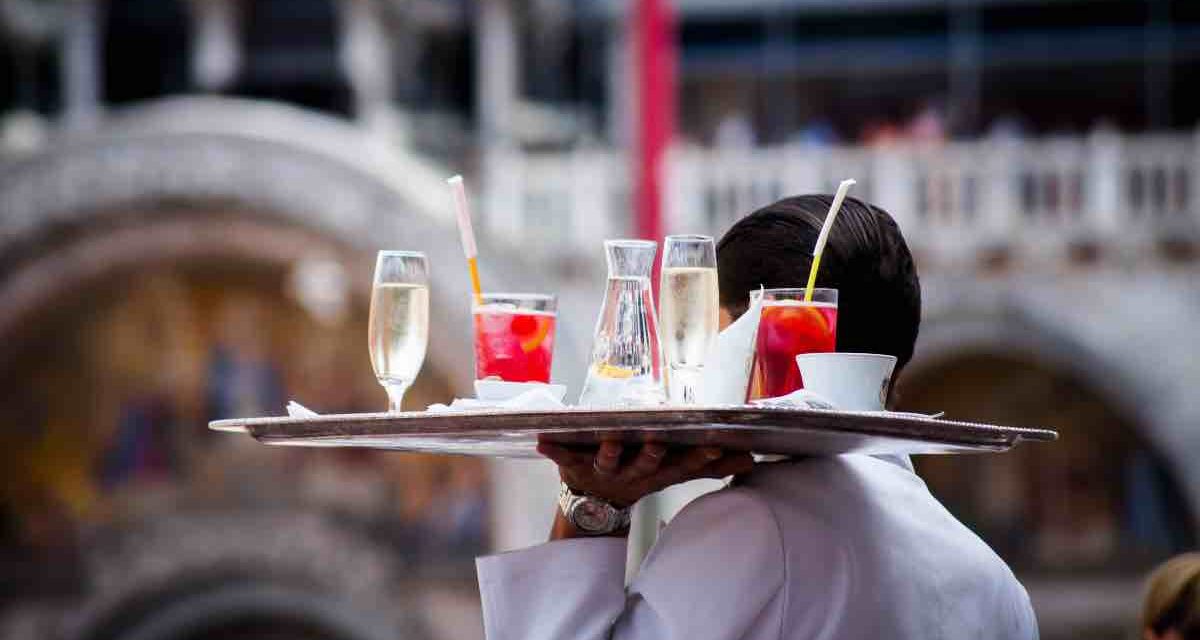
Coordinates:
(851, 546)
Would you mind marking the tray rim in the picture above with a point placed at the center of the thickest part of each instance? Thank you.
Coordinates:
(728, 417)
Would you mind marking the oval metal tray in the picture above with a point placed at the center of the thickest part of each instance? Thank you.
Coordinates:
(765, 430)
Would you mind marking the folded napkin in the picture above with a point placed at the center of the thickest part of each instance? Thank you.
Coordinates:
(532, 400)
(800, 398)
(727, 366)
(297, 410)
(805, 399)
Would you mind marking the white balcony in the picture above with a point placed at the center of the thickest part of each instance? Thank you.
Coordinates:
(959, 204)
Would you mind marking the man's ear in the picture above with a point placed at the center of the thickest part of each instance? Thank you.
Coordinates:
(893, 396)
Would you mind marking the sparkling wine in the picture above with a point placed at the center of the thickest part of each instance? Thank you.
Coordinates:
(689, 315)
(398, 332)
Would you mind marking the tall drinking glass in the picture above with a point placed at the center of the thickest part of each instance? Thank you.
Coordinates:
(514, 336)
(689, 308)
(398, 332)
(788, 327)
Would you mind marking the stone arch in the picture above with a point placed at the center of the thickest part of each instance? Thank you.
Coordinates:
(152, 176)
(1096, 330)
(207, 180)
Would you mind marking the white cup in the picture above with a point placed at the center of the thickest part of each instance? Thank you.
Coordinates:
(851, 381)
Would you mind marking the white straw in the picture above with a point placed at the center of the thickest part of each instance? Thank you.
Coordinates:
(836, 206)
(464, 216)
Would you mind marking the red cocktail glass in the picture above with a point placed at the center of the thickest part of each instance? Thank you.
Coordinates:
(514, 336)
(788, 327)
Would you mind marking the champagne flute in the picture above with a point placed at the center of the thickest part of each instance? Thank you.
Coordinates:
(398, 330)
(689, 305)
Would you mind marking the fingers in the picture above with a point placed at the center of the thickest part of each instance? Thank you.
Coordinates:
(700, 457)
(608, 459)
(647, 462)
(600, 471)
(687, 467)
(563, 456)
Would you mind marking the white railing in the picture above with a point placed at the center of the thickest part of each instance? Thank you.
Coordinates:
(1035, 198)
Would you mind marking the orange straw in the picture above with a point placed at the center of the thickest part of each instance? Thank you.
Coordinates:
(819, 247)
(467, 234)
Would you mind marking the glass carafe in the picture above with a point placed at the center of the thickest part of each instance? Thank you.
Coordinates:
(626, 363)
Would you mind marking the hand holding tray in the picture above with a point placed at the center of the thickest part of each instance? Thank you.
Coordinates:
(766, 430)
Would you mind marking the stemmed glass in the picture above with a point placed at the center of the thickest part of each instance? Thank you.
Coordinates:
(689, 303)
(398, 332)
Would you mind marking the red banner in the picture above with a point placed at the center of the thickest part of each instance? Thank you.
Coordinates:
(655, 45)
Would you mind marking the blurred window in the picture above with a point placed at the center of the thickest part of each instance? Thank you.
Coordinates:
(147, 45)
(292, 54)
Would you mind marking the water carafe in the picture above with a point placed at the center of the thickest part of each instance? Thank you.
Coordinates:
(626, 363)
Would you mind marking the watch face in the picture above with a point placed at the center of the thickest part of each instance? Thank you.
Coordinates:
(591, 516)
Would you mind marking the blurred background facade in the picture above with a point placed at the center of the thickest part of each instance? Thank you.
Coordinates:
(191, 193)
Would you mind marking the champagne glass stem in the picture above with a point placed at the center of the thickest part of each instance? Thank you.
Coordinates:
(395, 393)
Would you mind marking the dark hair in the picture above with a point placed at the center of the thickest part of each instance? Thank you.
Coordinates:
(865, 259)
(1172, 600)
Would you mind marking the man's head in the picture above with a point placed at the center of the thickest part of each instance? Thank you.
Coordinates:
(865, 259)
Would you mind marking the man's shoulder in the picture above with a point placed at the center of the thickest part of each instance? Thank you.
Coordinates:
(726, 542)
(884, 532)
(752, 507)
(816, 478)
(852, 500)
(732, 504)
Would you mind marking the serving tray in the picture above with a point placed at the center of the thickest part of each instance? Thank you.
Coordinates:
(765, 430)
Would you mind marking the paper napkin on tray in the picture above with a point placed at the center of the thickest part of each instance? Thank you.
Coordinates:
(297, 410)
(532, 400)
(727, 367)
(800, 398)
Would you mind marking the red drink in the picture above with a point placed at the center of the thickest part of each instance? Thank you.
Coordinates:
(786, 329)
(516, 345)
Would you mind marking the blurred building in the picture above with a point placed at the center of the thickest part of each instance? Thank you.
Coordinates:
(191, 192)
(167, 262)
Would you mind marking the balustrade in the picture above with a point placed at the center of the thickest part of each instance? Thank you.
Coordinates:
(1038, 198)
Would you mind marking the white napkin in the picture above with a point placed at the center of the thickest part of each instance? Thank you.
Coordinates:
(297, 410)
(805, 399)
(800, 398)
(532, 400)
(727, 366)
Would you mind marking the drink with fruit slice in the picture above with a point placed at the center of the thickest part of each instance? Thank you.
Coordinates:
(514, 337)
(788, 327)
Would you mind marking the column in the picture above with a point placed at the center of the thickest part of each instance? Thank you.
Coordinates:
(216, 55)
(496, 86)
(80, 66)
(496, 66)
(367, 61)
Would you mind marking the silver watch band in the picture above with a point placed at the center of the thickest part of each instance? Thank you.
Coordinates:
(591, 515)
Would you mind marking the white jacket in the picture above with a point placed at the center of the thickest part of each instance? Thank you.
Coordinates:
(845, 547)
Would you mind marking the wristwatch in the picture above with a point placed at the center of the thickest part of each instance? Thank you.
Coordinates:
(589, 514)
